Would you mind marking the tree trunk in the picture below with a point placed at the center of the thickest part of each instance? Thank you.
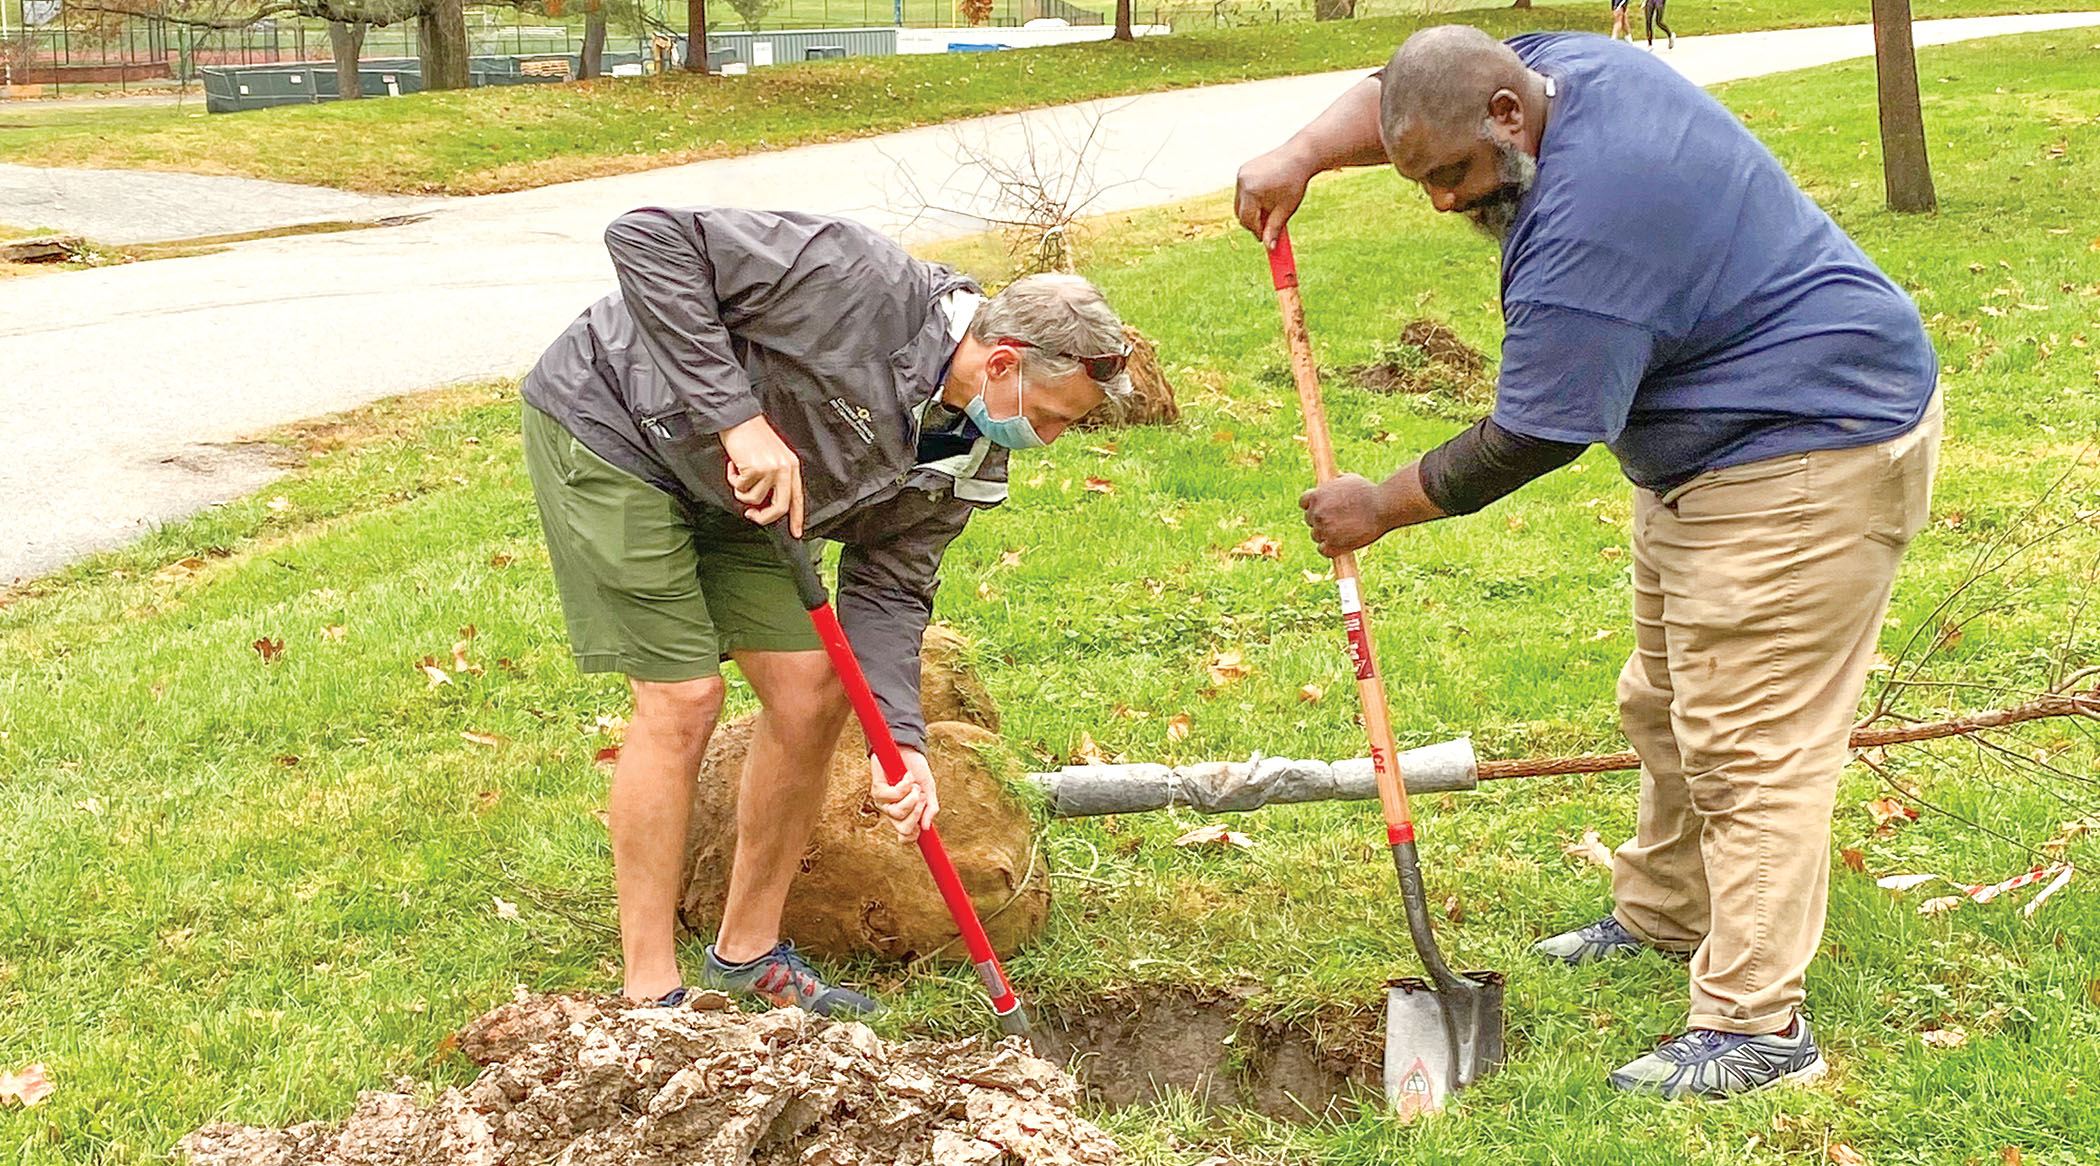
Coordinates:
(441, 44)
(346, 39)
(592, 63)
(1905, 168)
(1123, 20)
(696, 36)
(1333, 9)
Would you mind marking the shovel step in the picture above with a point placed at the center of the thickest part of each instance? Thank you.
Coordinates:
(1438, 1042)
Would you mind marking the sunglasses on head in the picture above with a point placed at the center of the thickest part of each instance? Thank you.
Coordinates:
(1099, 369)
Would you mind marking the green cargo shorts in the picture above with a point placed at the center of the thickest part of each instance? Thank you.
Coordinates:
(649, 587)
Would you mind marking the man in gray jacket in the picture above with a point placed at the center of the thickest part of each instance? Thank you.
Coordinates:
(757, 367)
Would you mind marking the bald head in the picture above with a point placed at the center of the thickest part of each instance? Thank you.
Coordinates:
(1444, 80)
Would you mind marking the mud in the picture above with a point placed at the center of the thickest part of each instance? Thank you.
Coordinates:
(1429, 359)
(1153, 397)
(584, 1081)
(1132, 1049)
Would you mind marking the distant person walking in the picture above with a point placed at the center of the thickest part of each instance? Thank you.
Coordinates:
(1654, 10)
(1618, 21)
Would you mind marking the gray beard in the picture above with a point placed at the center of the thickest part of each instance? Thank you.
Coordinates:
(1494, 215)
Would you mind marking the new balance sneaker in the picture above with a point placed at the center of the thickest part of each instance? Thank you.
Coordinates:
(782, 978)
(1605, 937)
(1705, 1063)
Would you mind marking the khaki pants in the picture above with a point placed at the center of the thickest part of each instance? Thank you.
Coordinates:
(1759, 592)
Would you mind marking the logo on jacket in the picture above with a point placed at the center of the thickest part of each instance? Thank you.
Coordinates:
(857, 416)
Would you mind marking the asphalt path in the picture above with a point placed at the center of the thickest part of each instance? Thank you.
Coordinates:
(129, 396)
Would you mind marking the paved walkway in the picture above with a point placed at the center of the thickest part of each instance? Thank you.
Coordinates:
(123, 385)
(143, 206)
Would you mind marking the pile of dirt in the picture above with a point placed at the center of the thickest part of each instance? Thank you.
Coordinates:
(1152, 397)
(860, 890)
(1430, 359)
(585, 1081)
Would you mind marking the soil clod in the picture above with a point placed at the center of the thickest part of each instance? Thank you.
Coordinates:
(1431, 360)
(587, 1081)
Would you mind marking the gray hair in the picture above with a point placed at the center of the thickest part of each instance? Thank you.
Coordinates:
(1057, 314)
(1442, 79)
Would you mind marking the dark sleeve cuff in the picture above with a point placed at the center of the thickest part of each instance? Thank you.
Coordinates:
(1487, 461)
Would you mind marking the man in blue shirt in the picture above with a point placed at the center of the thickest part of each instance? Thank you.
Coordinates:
(1669, 292)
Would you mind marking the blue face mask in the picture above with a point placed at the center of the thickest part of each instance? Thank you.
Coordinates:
(1013, 432)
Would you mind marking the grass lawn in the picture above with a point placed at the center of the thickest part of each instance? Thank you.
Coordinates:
(479, 141)
(244, 890)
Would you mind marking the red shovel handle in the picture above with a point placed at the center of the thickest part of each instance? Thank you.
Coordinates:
(1013, 1019)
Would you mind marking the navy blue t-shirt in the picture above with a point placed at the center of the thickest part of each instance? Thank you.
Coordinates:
(1669, 291)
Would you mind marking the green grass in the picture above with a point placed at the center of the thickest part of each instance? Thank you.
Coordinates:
(485, 140)
(245, 890)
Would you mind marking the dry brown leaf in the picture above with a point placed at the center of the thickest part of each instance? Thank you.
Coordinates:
(1226, 667)
(2066, 834)
(428, 665)
(1258, 546)
(1100, 486)
(1889, 813)
(1944, 1038)
(1941, 905)
(1841, 1154)
(607, 757)
(499, 560)
(506, 910)
(1589, 849)
(2009, 1155)
(177, 571)
(460, 663)
(26, 1086)
(1215, 835)
(611, 724)
(334, 633)
(487, 740)
(488, 798)
(1310, 693)
(985, 592)
(1178, 726)
(1088, 753)
(1009, 558)
(1515, 522)
(1855, 860)
(1124, 712)
(270, 650)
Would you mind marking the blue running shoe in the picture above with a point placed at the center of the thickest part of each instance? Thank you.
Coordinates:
(781, 977)
(1705, 1063)
(1605, 937)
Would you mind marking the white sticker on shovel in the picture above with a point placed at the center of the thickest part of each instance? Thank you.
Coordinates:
(1351, 604)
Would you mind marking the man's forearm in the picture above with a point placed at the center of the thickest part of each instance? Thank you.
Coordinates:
(1345, 134)
(1402, 501)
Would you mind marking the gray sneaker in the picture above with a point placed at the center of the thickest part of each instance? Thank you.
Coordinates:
(781, 977)
(1605, 937)
(1705, 1063)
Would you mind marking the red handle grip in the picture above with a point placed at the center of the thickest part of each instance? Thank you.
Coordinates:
(1283, 266)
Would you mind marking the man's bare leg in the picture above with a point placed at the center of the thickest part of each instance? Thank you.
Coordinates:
(802, 708)
(652, 796)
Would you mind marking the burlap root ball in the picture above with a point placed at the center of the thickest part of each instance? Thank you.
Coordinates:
(1153, 398)
(861, 889)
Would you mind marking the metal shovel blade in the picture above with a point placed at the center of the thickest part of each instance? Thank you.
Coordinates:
(1438, 1041)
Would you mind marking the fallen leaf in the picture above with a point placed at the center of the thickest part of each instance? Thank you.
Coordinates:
(1101, 450)
(271, 650)
(460, 663)
(490, 740)
(1009, 558)
(1258, 546)
(1215, 835)
(1614, 554)
(488, 799)
(429, 667)
(1855, 861)
(1225, 667)
(177, 571)
(288, 760)
(1088, 753)
(28, 1085)
(1515, 522)
(2009, 1155)
(2065, 835)
(611, 724)
(1589, 849)
(506, 910)
(1601, 634)
(1153, 587)
(278, 503)
(1454, 910)
(1940, 905)
(1889, 813)
(1843, 1155)
(984, 591)
(606, 757)
(1903, 882)
(1316, 576)
(1310, 693)
(1124, 712)
(1178, 727)
(1100, 486)
(1944, 1038)
(499, 560)
(334, 633)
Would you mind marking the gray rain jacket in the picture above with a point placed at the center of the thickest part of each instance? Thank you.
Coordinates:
(837, 336)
